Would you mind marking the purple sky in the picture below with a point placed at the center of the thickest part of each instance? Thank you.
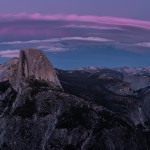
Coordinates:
(67, 30)
(135, 9)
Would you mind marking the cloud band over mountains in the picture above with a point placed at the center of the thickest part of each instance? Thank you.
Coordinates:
(65, 32)
(69, 18)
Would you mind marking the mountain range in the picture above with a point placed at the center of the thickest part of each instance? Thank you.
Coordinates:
(82, 109)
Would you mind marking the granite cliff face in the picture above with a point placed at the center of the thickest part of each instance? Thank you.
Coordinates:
(5, 69)
(31, 64)
(35, 113)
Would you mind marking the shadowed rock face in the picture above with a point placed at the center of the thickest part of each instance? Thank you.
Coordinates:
(5, 69)
(34, 114)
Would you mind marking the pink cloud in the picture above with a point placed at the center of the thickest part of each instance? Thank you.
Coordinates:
(37, 29)
(25, 26)
(91, 19)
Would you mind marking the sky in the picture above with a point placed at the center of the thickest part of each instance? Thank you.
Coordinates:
(75, 33)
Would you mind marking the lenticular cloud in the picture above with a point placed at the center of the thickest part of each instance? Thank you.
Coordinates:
(35, 30)
(92, 19)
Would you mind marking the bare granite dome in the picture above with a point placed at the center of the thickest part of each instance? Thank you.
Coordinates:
(32, 63)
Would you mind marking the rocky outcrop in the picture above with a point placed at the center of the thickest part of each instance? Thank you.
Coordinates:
(31, 64)
(5, 69)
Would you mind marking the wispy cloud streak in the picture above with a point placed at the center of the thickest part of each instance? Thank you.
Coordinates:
(94, 39)
(93, 19)
(9, 53)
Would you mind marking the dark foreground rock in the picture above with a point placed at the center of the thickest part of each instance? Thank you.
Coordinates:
(40, 115)
(48, 119)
